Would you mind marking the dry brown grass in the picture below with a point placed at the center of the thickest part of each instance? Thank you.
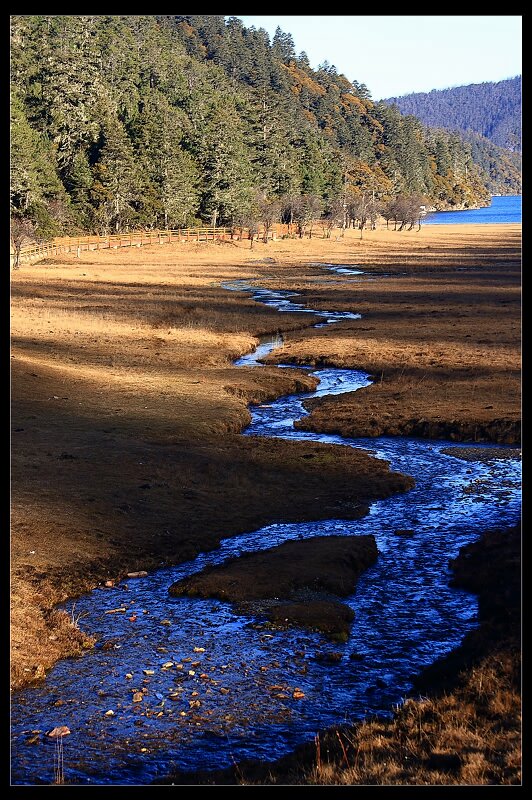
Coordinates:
(125, 415)
(443, 347)
(126, 412)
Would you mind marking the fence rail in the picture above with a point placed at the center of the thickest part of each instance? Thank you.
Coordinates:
(78, 244)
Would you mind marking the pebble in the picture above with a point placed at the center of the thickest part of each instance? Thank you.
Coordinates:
(61, 730)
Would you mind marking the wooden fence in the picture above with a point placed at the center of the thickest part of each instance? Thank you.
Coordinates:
(77, 244)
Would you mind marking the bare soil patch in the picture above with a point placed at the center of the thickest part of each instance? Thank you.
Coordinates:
(309, 570)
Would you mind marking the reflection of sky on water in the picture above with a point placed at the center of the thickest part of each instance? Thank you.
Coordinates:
(219, 705)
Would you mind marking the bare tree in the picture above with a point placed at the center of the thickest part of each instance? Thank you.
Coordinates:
(333, 217)
(249, 218)
(22, 233)
(364, 207)
(307, 209)
(373, 210)
(388, 211)
(269, 213)
(410, 210)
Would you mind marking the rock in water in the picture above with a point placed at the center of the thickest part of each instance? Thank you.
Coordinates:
(61, 730)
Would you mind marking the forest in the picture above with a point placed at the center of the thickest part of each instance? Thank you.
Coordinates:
(490, 109)
(123, 122)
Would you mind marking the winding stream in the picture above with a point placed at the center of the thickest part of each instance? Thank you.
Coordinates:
(182, 683)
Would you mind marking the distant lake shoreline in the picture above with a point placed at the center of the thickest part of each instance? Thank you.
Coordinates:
(503, 208)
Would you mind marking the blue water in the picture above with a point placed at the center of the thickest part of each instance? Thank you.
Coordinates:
(217, 686)
(502, 209)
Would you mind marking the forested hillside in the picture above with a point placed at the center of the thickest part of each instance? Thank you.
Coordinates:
(490, 109)
(130, 121)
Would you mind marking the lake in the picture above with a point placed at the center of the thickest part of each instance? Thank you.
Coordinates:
(502, 209)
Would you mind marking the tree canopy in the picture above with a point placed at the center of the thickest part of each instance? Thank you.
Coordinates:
(127, 121)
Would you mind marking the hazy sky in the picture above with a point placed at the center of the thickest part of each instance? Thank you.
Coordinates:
(397, 55)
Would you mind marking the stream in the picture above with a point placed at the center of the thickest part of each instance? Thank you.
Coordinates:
(178, 683)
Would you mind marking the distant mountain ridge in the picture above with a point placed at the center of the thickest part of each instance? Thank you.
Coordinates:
(490, 109)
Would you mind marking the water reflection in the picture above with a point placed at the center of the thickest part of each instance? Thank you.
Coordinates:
(191, 684)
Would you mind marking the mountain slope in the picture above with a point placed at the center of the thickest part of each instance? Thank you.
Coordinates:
(127, 121)
(490, 109)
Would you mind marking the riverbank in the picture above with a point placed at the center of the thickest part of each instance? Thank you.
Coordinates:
(440, 334)
(126, 411)
(465, 729)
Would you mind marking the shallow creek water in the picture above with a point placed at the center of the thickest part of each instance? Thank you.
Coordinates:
(183, 683)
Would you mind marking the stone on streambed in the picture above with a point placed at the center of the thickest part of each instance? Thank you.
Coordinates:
(291, 583)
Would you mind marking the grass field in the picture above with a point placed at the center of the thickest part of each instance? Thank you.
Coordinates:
(126, 408)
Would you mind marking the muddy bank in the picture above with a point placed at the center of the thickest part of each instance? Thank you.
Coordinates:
(378, 411)
(481, 453)
(465, 732)
(303, 574)
(490, 568)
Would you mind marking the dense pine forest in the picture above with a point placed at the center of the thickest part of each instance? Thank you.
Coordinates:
(490, 109)
(122, 122)
(488, 116)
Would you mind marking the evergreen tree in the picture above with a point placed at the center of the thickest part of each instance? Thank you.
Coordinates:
(36, 192)
(171, 176)
(225, 163)
(117, 180)
(283, 46)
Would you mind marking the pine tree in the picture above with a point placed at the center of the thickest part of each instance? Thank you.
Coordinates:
(169, 170)
(117, 180)
(225, 163)
(36, 192)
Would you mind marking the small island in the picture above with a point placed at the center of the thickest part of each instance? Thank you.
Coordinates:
(296, 583)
